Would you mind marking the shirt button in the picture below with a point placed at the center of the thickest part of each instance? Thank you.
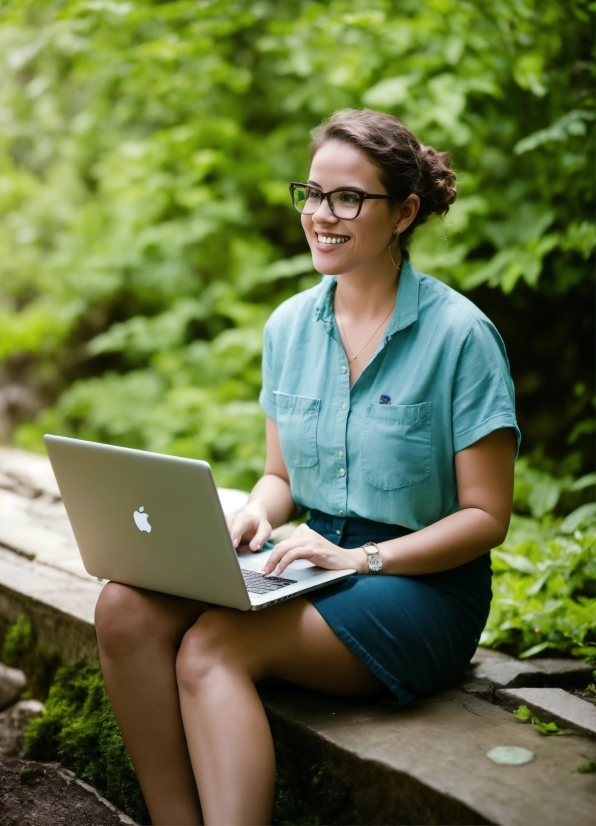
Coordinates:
(340, 453)
(342, 472)
(344, 406)
(341, 513)
(338, 533)
(344, 369)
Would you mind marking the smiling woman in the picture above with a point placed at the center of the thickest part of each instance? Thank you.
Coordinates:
(390, 419)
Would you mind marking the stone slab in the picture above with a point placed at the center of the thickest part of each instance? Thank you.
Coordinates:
(60, 605)
(491, 670)
(426, 763)
(553, 705)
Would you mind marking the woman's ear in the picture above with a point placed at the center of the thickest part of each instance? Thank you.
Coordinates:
(406, 212)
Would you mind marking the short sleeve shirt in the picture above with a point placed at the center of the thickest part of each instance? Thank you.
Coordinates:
(384, 449)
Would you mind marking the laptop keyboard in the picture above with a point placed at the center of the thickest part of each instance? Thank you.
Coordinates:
(257, 583)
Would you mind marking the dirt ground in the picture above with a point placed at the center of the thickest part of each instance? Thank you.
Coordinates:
(44, 794)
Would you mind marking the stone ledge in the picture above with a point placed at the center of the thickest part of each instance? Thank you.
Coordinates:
(553, 705)
(60, 605)
(427, 763)
(492, 670)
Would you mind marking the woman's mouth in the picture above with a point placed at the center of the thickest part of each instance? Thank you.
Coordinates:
(331, 240)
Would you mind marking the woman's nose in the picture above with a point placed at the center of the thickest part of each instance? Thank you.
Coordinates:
(323, 214)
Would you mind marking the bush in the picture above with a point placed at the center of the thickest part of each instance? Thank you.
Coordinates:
(544, 572)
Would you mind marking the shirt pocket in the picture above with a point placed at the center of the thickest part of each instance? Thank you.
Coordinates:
(297, 420)
(396, 445)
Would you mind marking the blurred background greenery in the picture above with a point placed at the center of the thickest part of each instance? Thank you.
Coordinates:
(147, 231)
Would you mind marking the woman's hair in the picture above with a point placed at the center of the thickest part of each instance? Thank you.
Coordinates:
(406, 165)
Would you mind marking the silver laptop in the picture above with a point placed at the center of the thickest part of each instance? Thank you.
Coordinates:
(156, 522)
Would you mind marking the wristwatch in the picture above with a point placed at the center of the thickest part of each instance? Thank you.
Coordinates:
(375, 560)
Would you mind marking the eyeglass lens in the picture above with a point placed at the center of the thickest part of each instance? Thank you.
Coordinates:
(344, 204)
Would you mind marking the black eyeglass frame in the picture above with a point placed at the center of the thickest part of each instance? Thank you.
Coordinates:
(362, 195)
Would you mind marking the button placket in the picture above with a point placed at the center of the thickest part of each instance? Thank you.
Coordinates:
(340, 454)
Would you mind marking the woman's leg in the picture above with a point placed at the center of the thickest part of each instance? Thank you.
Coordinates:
(139, 633)
(221, 658)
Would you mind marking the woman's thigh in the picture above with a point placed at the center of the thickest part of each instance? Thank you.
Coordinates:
(291, 641)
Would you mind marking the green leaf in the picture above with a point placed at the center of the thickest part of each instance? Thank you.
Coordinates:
(577, 517)
(535, 649)
(572, 123)
(516, 562)
(544, 497)
(587, 481)
(523, 713)
(587, 768)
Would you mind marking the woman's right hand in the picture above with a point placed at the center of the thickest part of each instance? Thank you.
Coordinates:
(248, 528)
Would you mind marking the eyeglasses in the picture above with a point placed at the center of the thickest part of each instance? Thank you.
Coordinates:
(343, 203)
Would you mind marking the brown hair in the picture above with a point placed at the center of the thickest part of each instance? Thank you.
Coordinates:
(406, 165)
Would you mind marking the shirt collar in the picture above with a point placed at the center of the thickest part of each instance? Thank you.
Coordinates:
(406, 306)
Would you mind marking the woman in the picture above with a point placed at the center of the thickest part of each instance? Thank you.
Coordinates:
(390, 417)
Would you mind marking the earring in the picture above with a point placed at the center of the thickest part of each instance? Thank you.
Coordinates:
(396, 234)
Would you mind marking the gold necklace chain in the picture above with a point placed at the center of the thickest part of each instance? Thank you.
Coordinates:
(341, 324)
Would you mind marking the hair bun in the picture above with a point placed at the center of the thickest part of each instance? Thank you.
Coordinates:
(438, 182)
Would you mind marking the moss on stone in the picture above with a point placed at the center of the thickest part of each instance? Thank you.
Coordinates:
(78, 729)
(21, 649)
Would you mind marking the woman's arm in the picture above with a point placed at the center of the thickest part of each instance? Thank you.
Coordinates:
(484, 474)
(270, 503)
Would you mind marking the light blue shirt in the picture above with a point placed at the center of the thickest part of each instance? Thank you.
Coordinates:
(443, 366)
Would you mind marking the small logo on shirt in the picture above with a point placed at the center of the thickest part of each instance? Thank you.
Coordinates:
(385, 399)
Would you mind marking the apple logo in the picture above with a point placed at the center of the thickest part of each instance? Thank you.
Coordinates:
(141, 520)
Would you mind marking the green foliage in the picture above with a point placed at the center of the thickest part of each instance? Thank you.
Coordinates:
(21, 650)
(145, 150)
(78, 729)
(544, 572)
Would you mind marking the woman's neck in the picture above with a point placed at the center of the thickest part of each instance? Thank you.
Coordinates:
(359, 295)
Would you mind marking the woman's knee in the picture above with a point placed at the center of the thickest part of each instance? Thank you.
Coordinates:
(213, 644)
(124, 618)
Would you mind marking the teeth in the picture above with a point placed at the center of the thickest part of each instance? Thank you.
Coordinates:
(335, 239)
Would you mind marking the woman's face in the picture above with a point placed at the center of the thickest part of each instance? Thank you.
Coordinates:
(341, 246)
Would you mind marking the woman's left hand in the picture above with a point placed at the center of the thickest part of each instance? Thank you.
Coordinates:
(308, 544)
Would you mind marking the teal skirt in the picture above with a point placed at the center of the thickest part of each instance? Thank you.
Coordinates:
(415, 633)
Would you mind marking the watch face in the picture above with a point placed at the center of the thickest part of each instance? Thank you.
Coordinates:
(375, 563)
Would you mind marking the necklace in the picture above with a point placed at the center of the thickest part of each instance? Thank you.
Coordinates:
(341, 324)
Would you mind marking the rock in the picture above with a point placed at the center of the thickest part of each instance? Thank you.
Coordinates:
(45, 794)
(13, 723)
(490, 670)
(553, 705)
(12, 682)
